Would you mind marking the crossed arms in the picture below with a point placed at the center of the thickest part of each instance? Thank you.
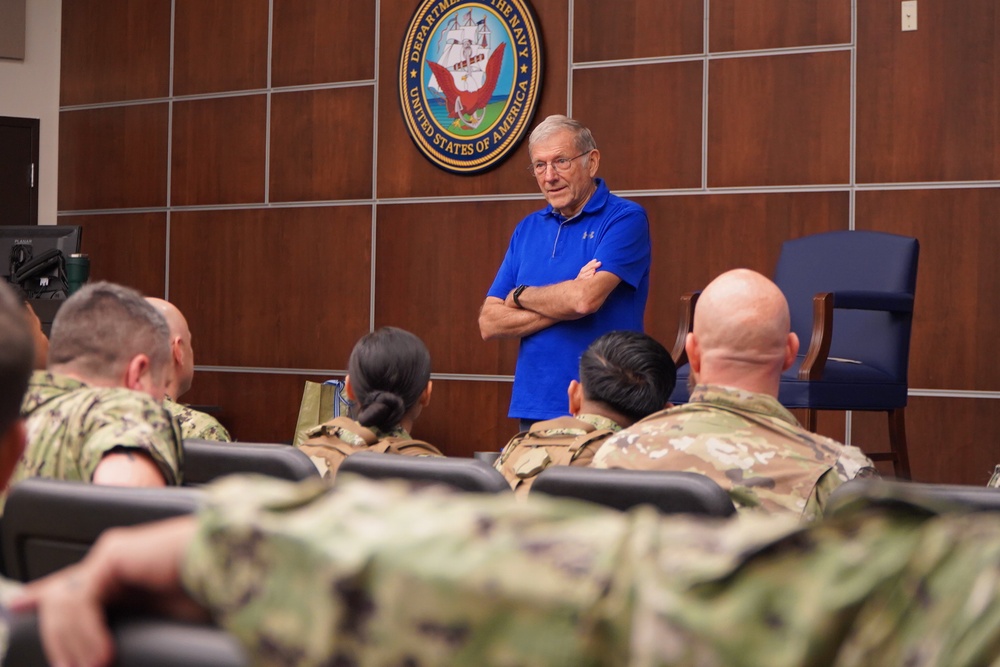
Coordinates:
(543, 306)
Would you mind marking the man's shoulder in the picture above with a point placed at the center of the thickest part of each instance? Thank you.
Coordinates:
(606, 202)
(195, 424)
(121, 400)
(717, 428)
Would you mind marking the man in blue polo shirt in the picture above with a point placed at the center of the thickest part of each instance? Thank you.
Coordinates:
(573, 271)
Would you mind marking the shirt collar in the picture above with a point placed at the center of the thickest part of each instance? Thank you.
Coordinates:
(599, 421)
(742, 399)
(595, 203)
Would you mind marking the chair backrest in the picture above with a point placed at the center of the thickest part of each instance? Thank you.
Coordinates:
(853, 260)
(139, 642)
(49, 524)
(464, 474)
(669, 491)
(940, 497)
(205, 460)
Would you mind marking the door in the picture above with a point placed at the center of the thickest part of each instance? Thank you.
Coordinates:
(18, 171)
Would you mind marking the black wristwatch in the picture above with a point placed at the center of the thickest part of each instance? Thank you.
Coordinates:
(516, 295)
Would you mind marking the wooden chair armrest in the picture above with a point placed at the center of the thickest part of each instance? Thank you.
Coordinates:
(685, 322)
(819, 344)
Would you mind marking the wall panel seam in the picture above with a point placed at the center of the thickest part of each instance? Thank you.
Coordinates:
(698, 57)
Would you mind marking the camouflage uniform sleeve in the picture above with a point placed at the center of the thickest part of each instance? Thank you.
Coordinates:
(204, 427)
(130, 420)
(853, 463)
(369, 573)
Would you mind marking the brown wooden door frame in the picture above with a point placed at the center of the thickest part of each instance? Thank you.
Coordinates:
(12, 192)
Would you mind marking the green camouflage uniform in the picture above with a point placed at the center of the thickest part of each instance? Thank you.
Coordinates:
(367, 573)
(196, 425)
(521, 465)
(71, 426)
(747, 443)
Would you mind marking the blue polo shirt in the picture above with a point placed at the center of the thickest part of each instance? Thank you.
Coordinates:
(545, 249)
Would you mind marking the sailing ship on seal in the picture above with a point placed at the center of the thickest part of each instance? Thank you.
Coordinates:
(467, 69)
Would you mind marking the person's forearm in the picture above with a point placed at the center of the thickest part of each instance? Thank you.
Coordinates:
(126, 565)
(561, 301)
(498, 320)
(568, 300)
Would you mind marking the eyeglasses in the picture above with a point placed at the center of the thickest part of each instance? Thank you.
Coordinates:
(560, 164)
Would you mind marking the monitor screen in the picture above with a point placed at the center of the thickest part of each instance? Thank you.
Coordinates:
(34, 258)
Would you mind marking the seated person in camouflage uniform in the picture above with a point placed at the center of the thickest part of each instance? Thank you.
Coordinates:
(624, 376)
(389, 378)
(194, 425)
(733, 430)
(376, 573)
(95, 415)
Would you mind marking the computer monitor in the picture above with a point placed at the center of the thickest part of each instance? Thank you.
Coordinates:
(34, 258)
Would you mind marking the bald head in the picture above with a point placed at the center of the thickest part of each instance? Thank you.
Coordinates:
(181, 350)
(741, 335)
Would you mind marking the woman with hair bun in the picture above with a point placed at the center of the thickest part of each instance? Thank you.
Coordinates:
(389, 378)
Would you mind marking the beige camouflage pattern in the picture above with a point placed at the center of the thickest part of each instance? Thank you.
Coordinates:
(71, 426)
(328, 444)
(196, 425)
(368, 573)
(747, 443)
(528, 453)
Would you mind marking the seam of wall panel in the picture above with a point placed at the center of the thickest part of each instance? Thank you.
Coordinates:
(267, 103)
(676, 192)
(479, 377)
(570, 26)
(266, 370)
(360, 83)
(697, 57)
(704, 93)
(374, 206)
(170, 151)
(853, 164)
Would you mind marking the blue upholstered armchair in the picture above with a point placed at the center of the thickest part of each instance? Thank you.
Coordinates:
(851, 299)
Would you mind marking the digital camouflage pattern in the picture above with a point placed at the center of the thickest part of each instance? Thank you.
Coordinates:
(560, 441)
(196, 425)
(374, 573)
(328, 444)
(745, 442)
(71, 426)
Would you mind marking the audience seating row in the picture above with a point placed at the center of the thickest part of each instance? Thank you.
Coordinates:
(49, 524)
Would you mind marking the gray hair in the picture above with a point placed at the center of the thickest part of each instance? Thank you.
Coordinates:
(17, 354)
(104, 326)
(582, 137)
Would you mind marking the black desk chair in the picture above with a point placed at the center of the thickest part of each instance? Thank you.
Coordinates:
(669, 492)
(139, 642)
(463, 474)
(205, 460)
(939, 497)
(49, 524)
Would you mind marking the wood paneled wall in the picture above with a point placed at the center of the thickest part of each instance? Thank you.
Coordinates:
(248, 160)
